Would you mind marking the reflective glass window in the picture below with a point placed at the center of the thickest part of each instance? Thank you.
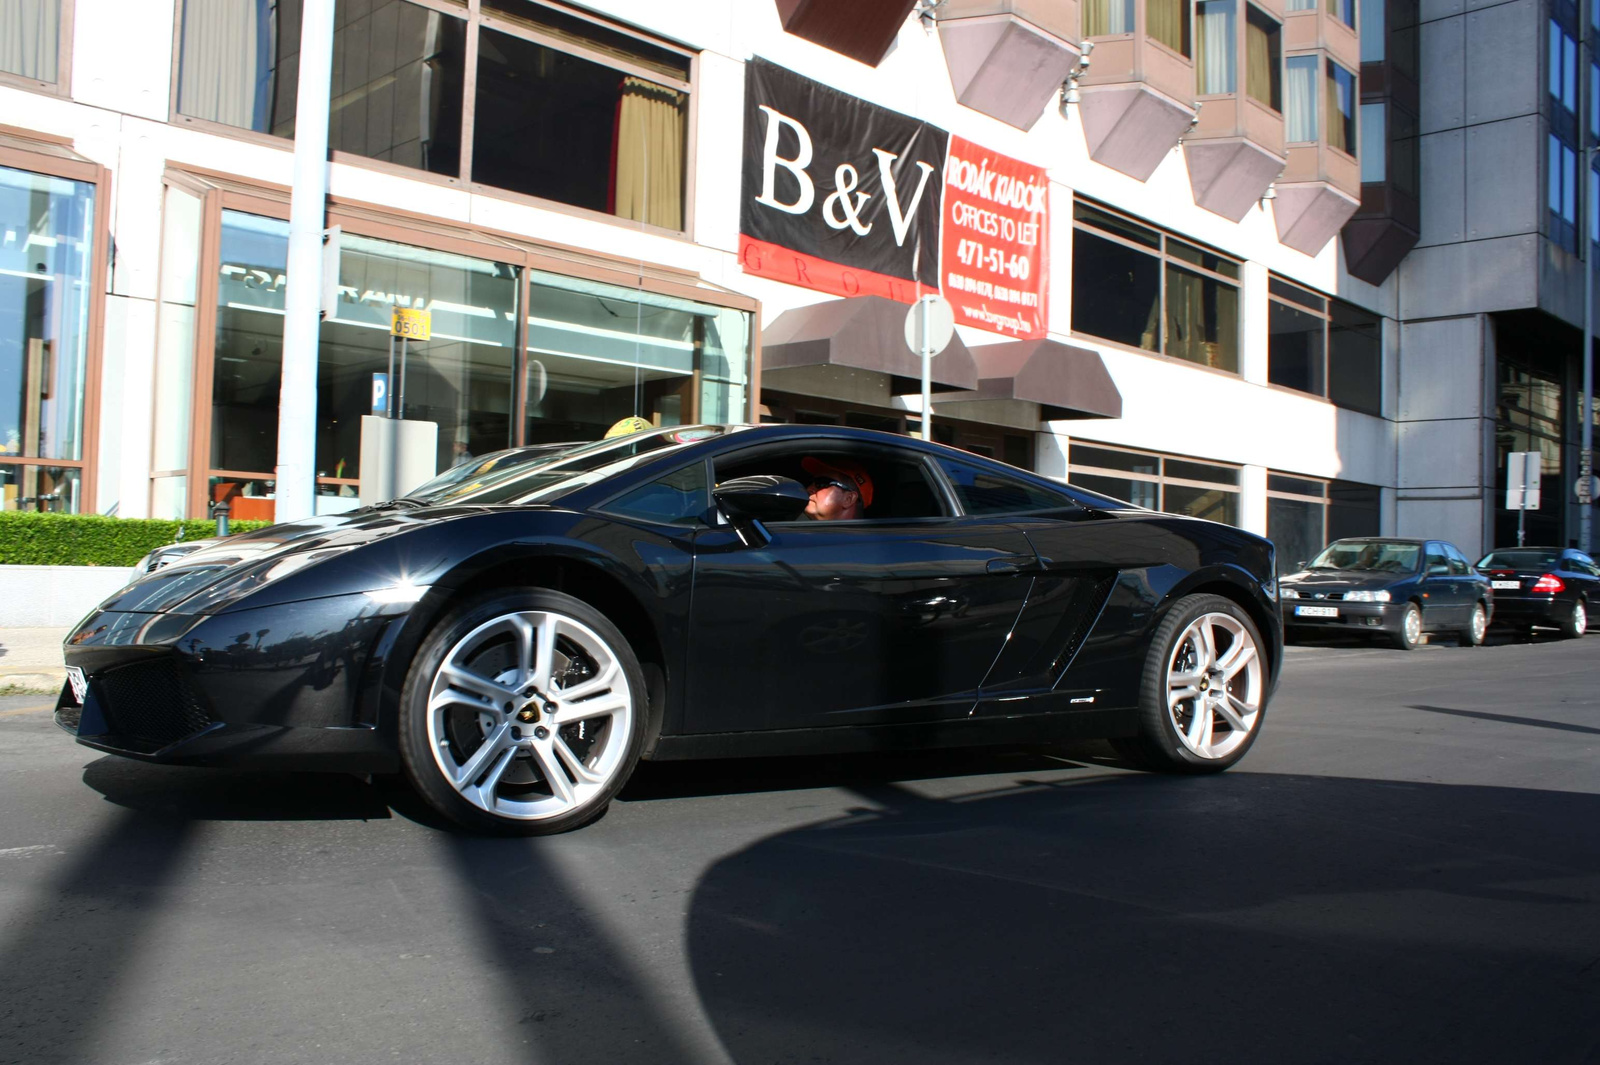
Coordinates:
(680, 498)
(1296, 356)
(238, 62)
(1167, 21)
(30, 38)
(1355, 358)
(1263, 39)
(1296, 529)
(1374, 142)
(46, 258)
(1213, 504)
(1202, 319)
(1374, 31)
(1341, 108)
(1116, 291)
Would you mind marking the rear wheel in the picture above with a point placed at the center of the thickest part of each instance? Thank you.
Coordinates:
(1477, 626)
(1204, 689)
(522, 713)
(1409, 636)
(1576, 623)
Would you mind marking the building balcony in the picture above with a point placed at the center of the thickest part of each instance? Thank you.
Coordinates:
(1138, 96)
(1008, 58)
(1323, 29)
(1319, 191)
(1321, 185)
(862, 31)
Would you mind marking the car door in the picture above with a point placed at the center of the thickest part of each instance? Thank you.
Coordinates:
(832, 623)
(1440, 590)
(1470, 585)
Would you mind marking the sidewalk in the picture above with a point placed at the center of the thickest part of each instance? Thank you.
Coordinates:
(30, 660)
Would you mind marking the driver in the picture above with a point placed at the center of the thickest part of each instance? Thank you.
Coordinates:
(840, 490)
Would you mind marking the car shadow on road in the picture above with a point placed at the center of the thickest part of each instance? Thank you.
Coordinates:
(1249, 917)
(200, 794)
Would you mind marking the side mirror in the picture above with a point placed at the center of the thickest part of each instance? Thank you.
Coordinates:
(1300, 565)
(762, 497)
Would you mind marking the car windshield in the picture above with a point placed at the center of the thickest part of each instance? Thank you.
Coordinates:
(496, 462)
(1536, 558)
(1381, 556)
(549, 477)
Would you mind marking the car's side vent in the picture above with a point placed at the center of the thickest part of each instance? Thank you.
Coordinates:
(148, 704)
(1088, 599)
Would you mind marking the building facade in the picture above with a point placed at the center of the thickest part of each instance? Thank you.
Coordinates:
(575, 191)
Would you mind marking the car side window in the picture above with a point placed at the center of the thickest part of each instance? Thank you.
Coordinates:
(1438, 561)
(680, 498)
(902, 487)
(1459, 566)
(1583, 564)
(983, 491)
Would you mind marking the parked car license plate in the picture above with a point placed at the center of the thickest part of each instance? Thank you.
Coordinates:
(80, 683)
(1316, 611)
(1509, 585)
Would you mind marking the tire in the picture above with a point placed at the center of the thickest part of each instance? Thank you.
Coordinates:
(1576, 623)
(1205, 659)
(497, 670)
(1472, 635)
(1409, 636)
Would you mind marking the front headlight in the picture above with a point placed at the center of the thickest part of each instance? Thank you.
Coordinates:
(1366, 597)
(1288, 593)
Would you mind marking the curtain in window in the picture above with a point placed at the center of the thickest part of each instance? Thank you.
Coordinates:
(1341, 109)
(1164, 23)
(1101, 17)
(30, 32)
(1215, 24)
(647, 159)
(1261, 59)
(227, 50)
(1300, 98)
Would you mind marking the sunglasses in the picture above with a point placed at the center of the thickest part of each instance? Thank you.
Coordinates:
(829, 482)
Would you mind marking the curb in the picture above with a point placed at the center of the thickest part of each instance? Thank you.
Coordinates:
(29, 683)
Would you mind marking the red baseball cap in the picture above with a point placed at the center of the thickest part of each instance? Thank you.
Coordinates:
(843, 470)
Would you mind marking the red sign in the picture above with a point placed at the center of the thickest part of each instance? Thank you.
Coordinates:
(995, 241)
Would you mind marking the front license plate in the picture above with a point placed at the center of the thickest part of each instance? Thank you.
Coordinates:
(1508, 585)
(1316, 611)
(80, 683)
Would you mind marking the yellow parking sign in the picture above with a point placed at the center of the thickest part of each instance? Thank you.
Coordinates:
(411, 324)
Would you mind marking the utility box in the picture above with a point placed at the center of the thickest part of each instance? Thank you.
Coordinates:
(397, 455)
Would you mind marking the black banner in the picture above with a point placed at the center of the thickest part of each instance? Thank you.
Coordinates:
(838, 194)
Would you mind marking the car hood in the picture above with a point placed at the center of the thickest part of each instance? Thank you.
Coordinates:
(220, 573)
(1318, 580)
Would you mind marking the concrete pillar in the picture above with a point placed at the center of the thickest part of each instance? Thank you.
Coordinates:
(1253, 499)
(302, 320)
(1253, 330)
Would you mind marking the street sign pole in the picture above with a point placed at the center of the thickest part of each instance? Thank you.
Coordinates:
(1523, 470)
(927, 372)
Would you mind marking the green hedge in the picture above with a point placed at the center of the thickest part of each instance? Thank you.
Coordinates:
(29, 539)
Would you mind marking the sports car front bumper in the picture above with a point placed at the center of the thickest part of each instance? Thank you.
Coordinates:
(295, 685)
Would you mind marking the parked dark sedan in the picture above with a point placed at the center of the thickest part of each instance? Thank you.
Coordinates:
(1394, 587)
(516, 642)
(1551, 586)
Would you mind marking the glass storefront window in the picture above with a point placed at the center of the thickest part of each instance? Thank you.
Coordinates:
(1324, 347)
(56, 489)
(598, 352)
(46, 241)
(1158, 482)
(249, 343)
(30, 39)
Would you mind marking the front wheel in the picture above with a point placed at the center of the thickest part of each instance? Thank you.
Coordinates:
(1204, 689)
(1477, 627)
(1576, 623)
(1409, 636)
(522, 713)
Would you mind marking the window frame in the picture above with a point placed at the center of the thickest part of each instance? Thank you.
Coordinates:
(53, 157)
(230, 192)
(1165, 259)
(62, 86)
(1160, 478)
(1331, 71)
(476, 18)
(1326, 314)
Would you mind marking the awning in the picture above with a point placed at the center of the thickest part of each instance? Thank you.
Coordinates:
(859, 334)
(1065, 381)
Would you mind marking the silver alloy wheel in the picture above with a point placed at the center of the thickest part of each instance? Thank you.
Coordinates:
(1412, 623)
(1480, 622)
(1580, 618)
(530, 715)
(1214, 685)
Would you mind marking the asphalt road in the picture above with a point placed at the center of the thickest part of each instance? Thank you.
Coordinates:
(1405, 869)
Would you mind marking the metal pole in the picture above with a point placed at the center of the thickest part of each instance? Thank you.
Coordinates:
(297, 396)
(1586, 405)
(389, 383)
(402, 404)
(927, 371)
